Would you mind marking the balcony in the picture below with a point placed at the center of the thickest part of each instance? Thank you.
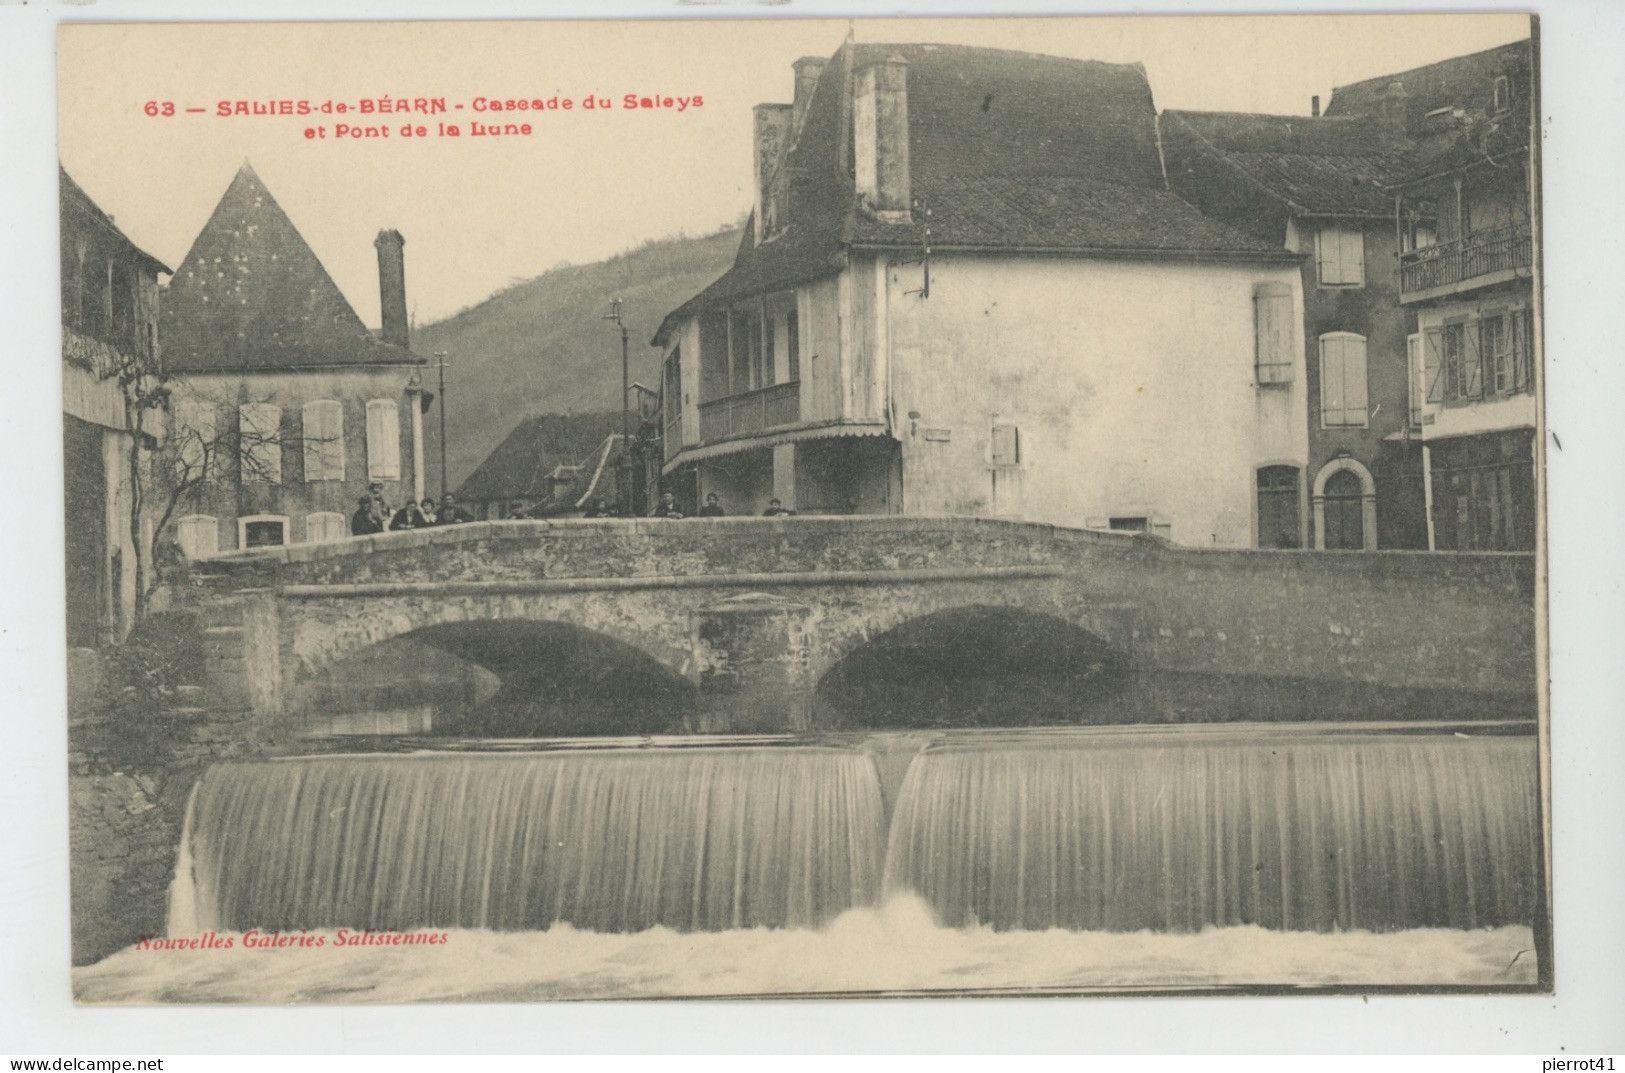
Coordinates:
(753, 411)
(1475, 261)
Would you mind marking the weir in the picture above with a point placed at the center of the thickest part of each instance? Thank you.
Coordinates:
(1170, 829)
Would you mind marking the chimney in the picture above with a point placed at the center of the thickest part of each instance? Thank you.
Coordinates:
(880, 137)
(392, 287)
(1314, 106)
(772, 126)
(1393, 107)
(808, 68)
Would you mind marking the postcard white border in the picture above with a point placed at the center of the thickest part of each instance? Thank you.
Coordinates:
(1581, 43)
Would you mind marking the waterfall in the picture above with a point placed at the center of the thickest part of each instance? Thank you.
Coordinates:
(1169, 830)
(694, 839)
(1307, 835)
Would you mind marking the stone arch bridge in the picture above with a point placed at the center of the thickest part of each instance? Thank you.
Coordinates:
(741, 604)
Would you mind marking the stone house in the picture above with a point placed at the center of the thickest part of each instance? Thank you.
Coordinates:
(286, 407)
(966, 288)
(1316, 185)
(109, 347)
(1467, 255)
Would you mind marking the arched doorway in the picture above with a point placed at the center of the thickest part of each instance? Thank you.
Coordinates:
(1345, 502)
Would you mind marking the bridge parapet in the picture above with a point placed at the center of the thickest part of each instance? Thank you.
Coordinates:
(1432, 621)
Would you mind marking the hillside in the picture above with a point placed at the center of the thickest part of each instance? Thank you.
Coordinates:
(543, 346)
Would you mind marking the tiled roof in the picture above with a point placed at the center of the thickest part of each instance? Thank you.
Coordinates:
(1331, 166)
(521, 466)
(79, 210)
(251, 294)
(1466, 82)
(1008, 150)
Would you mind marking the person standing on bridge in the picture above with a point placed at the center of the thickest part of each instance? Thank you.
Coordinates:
(713, 507)
(408, 517)
(775, 509)
(366, 520)
(450, 513)
(667, 507)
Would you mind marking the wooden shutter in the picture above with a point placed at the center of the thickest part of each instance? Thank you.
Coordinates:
(383, 440)
(1340, 256)
(1352, 256)
(259, 430)
(1272, 332)
(198, 535)
(1331, 380)
(1354, 382)
(1433, 366)
(325, 526)
(1415, 378)
(1342, 380)
(1472, 363)
(323, 426)
(195, 432)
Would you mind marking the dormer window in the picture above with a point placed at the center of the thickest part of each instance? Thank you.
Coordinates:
(1503, 94)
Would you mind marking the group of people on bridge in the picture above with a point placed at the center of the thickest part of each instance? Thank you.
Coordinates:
(667, 508)
(374, 514)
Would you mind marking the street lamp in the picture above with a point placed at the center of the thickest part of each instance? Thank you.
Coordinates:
(440, 363)
(614, 314)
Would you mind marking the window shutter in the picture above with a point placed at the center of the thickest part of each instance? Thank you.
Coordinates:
(1331, 380)
(1433, 366)
(323, 425)
(383, 440)
(194, 427)
(1354, 382)
(1272, 332)
(198, 535)
(1523, 351)
(1415, 378)
(1472, 363)
(1340, 256)
(1353, 257)
(325, 526)
(259, 425)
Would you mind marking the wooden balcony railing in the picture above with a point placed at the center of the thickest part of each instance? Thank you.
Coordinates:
(1461, 262)
(754, 411)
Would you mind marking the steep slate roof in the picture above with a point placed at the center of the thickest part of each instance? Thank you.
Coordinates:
(521, 465)
(1316, 166)
(1010, 151)
(78, 209)
(1462, 81)
(251, 294)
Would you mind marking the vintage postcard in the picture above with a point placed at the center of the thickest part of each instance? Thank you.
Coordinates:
(654, 509)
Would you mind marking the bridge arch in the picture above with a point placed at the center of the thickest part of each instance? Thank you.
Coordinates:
(975, 664)
(314, 634)
(495, 678)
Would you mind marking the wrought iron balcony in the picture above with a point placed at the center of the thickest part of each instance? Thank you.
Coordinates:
(1459, 265)
(753, 411)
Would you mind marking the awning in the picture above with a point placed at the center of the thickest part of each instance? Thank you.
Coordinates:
(764, 440)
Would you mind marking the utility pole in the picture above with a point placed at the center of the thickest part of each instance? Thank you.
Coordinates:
(440, 363)
(614, 314)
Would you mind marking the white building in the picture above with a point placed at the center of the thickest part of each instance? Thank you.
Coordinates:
(967, 289)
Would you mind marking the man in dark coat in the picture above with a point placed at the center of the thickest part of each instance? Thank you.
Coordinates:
(366, 519)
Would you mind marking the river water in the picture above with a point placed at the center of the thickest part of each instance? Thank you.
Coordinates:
(1078, 859)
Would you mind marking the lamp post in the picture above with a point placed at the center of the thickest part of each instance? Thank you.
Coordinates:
(614, 314)
(440, 363)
